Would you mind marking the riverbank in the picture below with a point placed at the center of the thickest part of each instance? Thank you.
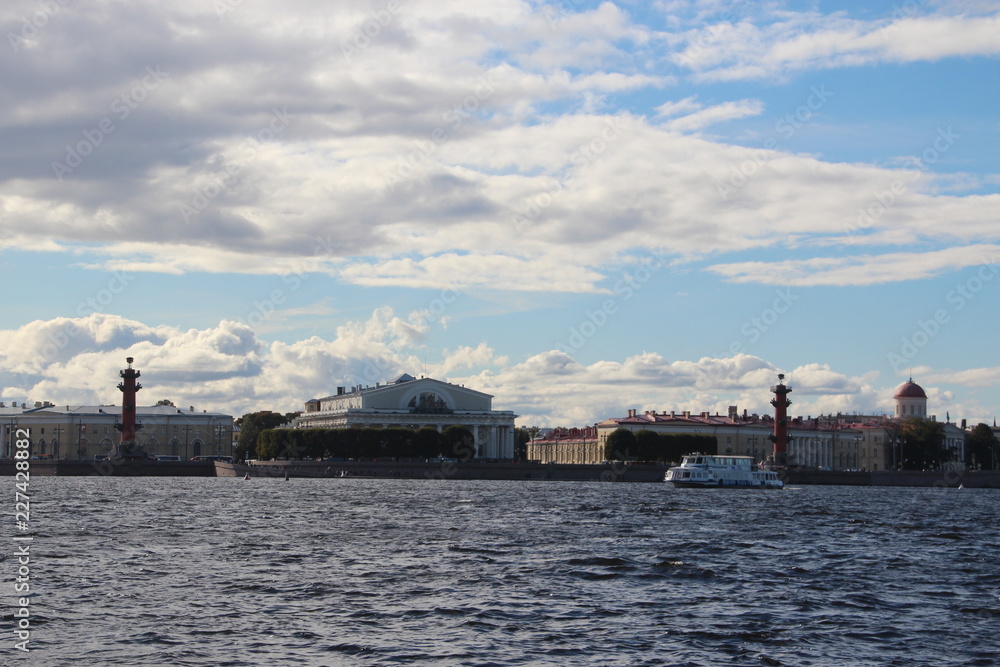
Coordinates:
(109, 468)
(609, 472)
(492, 470)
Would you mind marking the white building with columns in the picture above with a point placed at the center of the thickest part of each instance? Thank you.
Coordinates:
(408, 402)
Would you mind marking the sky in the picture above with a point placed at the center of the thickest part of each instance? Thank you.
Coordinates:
(578, 207)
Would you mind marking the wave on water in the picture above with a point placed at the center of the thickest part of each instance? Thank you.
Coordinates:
(408, 572)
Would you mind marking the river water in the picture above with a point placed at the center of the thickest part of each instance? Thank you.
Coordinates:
(183, 571)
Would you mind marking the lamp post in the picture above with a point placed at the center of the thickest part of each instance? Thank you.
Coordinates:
(9, 445)
(79, 438)
(858, 437)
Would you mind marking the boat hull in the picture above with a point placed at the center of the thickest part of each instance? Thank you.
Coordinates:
(723, 485)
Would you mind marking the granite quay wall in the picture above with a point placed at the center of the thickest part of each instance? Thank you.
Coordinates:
(109, 468)
(611, 472)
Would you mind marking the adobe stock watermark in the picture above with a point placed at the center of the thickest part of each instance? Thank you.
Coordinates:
(264, 309)
(37, 20)
(409, 164)
(786, 126)
(121, 108)
(59, 340)
(246, 153)
(377, 20)
(905, 10)
(707, 38)
(753, 330)
(756, 326)
(586, 153)
(626, 288)
(927, 329)
(882, 200)
(223, 7)
(435, 308)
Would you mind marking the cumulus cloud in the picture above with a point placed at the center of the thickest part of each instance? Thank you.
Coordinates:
(228, 368)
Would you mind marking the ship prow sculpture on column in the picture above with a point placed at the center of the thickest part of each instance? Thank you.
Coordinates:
(128, 449)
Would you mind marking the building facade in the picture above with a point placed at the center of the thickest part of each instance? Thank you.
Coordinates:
(567, 445)
(408, 402)
(828, 443)
(833, 442)
(65, 432)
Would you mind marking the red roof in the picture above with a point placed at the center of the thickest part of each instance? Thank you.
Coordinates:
(910, 390)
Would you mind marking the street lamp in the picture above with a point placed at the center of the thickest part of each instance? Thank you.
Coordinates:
(9, 445)
(79, 438)
(55, 443)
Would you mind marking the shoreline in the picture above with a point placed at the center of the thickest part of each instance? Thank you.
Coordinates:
(481, 470)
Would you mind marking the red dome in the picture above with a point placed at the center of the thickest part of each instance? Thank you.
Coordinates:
(910, 390)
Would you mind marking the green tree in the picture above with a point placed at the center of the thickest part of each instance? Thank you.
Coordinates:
(251, 424)
(459, 443)
(266, 446)
(923, 443)
(620, 445)
(427, 443)
(981, 447)
(522, 436)
(648, 445)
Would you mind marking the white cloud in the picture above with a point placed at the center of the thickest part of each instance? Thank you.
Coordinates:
(442, 152)
(552, 389)
(866, 269)
(727, 51)
(715, 114)
(228, 368)
(970, 377)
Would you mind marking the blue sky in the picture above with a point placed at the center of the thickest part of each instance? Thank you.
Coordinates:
(578, 207)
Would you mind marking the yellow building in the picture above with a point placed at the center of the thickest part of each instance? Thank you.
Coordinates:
(65, 432)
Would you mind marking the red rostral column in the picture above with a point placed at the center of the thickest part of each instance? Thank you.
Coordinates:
(128, 386)
(780, 436)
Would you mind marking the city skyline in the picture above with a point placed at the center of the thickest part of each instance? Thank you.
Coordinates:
(579, 208)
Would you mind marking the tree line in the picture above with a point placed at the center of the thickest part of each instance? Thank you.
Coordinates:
(365, 443)
(649, 446)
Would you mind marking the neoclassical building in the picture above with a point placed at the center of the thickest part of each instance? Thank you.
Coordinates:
(817, 443)
(81, 432)
(834, 442)
(408, 402)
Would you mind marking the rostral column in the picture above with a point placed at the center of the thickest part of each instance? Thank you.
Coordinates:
(780, 435)
(128, 447)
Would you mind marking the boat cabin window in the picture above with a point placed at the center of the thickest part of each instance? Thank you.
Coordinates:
(698, 460)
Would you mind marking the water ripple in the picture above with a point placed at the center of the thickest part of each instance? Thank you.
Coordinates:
(411, 572)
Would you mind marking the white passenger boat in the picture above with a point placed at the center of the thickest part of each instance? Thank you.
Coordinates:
(715, 471)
